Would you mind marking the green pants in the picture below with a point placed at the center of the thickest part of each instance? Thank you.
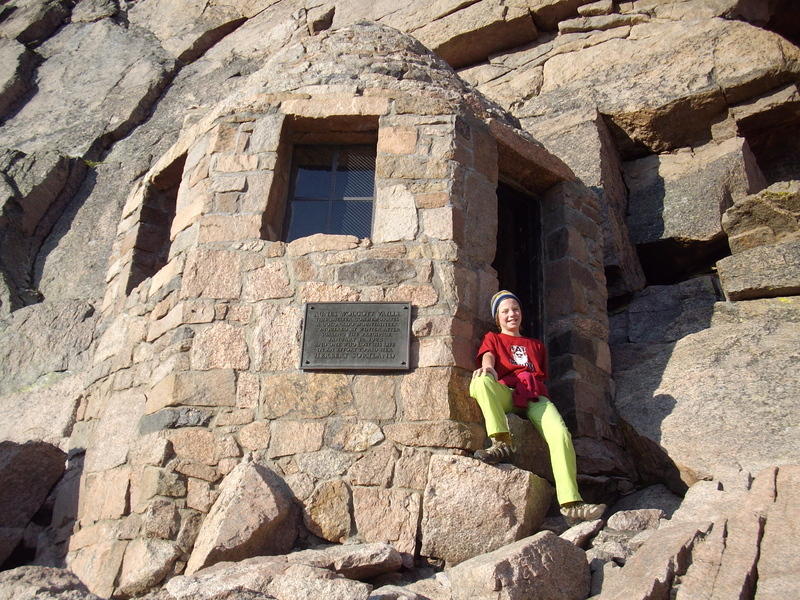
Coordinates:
(495, 401)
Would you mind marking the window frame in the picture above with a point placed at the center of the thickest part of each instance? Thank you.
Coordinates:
(337, 149)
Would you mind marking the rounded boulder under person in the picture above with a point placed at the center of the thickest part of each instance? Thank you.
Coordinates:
(511, 378)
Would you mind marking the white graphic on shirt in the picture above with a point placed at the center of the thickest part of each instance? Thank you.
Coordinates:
(519, 355)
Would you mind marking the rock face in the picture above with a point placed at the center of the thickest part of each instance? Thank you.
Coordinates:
(62, 76)
(683, 390)
(471, 507)
(46, 339)
(677, 200)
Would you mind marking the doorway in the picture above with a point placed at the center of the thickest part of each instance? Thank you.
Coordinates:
(519, 257)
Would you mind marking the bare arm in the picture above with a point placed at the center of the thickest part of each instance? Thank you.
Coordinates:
(487, 366)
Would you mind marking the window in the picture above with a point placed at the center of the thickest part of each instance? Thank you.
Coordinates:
(332, 191)
(151, 250)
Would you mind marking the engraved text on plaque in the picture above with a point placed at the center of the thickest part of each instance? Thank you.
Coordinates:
(356, 335)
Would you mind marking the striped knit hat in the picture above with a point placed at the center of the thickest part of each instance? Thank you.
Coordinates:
(498, 298)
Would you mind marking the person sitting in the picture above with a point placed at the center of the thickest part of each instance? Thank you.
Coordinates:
(510, 377)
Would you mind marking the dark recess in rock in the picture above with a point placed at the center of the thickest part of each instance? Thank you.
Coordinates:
(669, 261)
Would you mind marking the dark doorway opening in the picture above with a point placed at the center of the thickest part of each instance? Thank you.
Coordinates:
(519, 256)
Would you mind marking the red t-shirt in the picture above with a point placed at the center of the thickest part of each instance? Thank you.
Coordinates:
(515, 355)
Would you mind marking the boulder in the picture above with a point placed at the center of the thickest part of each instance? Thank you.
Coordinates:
(660, 83)
(687, 396)
(354, 561)
(762, 272)
(308, 573)
(581, 533)
(635, 520)
(146, 563)
(610, 546)
(28, 472)
(394, 592)
(540, 567)
(769, 217)
(531, 452)
(42, 583)
(227, 580)
(654, 496)
(303, 581)
(251, 516)
(681, 195)
(470, 507)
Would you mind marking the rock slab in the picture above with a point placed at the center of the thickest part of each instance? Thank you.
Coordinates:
(772, 216)
(251, 516)
(540, 567)
(687, 396)
(761, 272)
(470, 508)
(42, 583)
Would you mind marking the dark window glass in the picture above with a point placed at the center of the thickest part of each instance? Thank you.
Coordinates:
(333, 188)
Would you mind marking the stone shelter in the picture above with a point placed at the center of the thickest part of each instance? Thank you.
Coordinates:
(437, 198)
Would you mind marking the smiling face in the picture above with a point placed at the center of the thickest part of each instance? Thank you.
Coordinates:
(509, 317)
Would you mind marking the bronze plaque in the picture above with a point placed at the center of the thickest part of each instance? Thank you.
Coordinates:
(356, 335)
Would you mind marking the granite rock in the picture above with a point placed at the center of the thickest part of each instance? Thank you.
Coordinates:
(252, 515)
(542, 566)
(761, 272)
(470, 507)
(769, 217)
(43, 583)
